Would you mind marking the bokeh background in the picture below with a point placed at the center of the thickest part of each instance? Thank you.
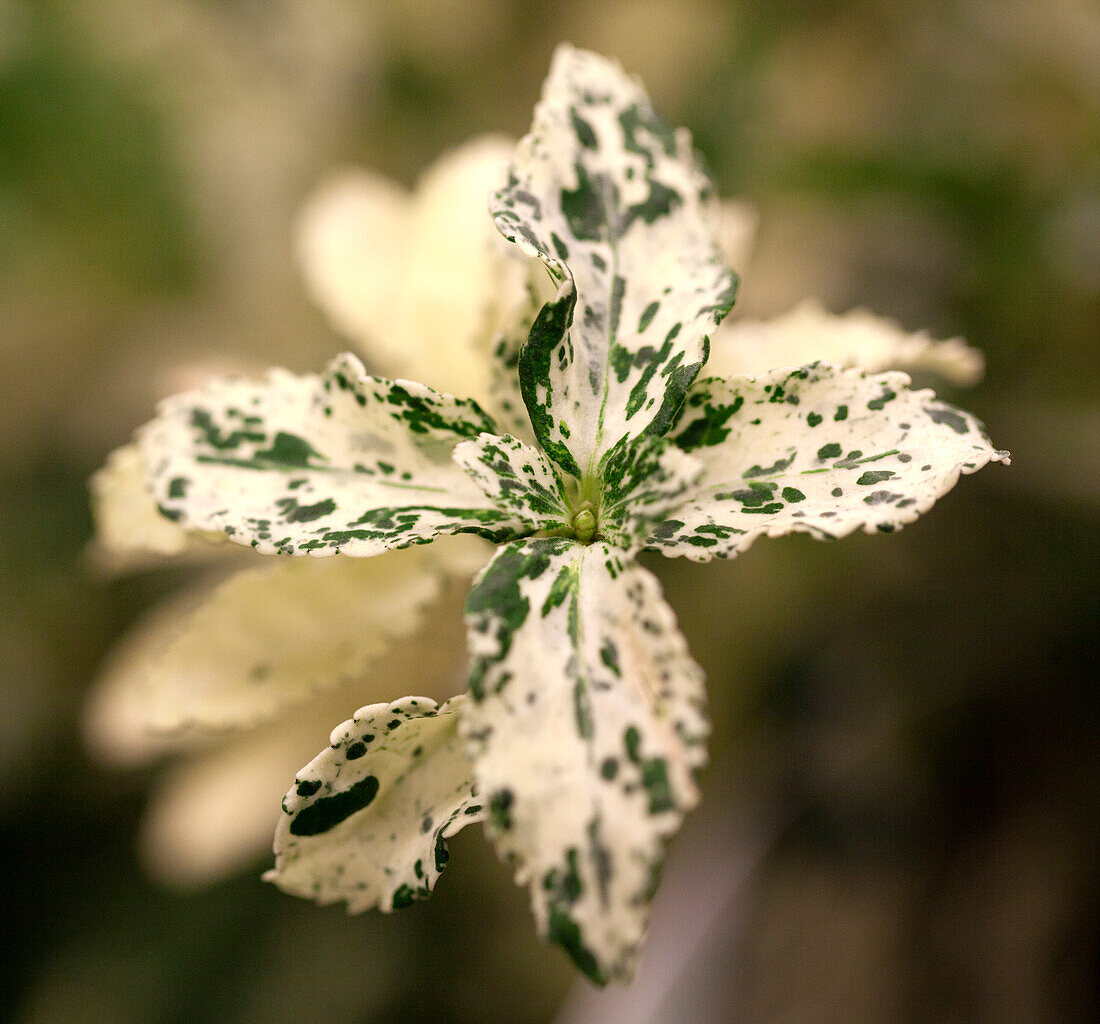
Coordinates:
(901, 822)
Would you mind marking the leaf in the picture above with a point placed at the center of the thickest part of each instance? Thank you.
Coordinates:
(344, 462)
(810, 333)
(130, 532)
(213, 814)
(585, 729)
(421, 282)
(822, 450)
(613, 203)
(516, 478)
(274, 636)
(368, 819)
(642, 483)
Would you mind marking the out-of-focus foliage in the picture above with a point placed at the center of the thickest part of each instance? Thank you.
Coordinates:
(920, 714)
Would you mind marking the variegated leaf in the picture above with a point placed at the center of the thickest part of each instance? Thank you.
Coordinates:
(643, 483)
(273, 636)
(368, 819)
(809, 333)
(614, 203)
(822, 450)
(585, 728)
(344, 462)
(517, 479)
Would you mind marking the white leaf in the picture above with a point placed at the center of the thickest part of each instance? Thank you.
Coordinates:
(320, 465)
(614, 204)
(822, 450)
(809, 333)
(273, 636)
(130, 531)
(420, 280)
(368, 819)
(585, 728)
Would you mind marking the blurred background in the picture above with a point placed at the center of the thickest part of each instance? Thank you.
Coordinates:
(901, 821)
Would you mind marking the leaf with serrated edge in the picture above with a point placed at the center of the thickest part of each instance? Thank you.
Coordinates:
(368, 819)
(273, 636)
(516, 478)
(344, 462)
(642, 483)
(822, 450)
(585, 728)
(810, 333)
(612, 201)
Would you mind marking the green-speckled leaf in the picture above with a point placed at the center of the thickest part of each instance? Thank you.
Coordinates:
(823, 450)
(516, 478)
(613, 202)
(585, 729)
(276, 635)
(344, 462)
(643, 483)
(368, 818)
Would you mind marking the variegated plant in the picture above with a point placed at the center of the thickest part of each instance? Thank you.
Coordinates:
(583, 729)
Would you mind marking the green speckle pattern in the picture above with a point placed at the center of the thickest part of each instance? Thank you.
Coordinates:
(769, 470)
(517, 479)
(309, 465)
(643, 483)
(367, 820)
(588, 714)
(602, 179)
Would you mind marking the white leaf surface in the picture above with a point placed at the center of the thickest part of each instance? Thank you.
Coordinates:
(344, 462)
(822, 450)
(809, 333)
(130, 531)
(273, 636)
(585, 728)
(420, 280)
(368, 818)
(615, 205)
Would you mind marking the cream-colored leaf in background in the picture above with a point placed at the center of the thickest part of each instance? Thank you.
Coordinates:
(419, 280)
(129, 531)
(810, 333)
(273, 636)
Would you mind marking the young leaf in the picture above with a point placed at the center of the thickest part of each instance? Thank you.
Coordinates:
(823, 450)
(585, 728)
(273, 636)
(368, 819)
(516, 478)
(612, 201)
(344, 462)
